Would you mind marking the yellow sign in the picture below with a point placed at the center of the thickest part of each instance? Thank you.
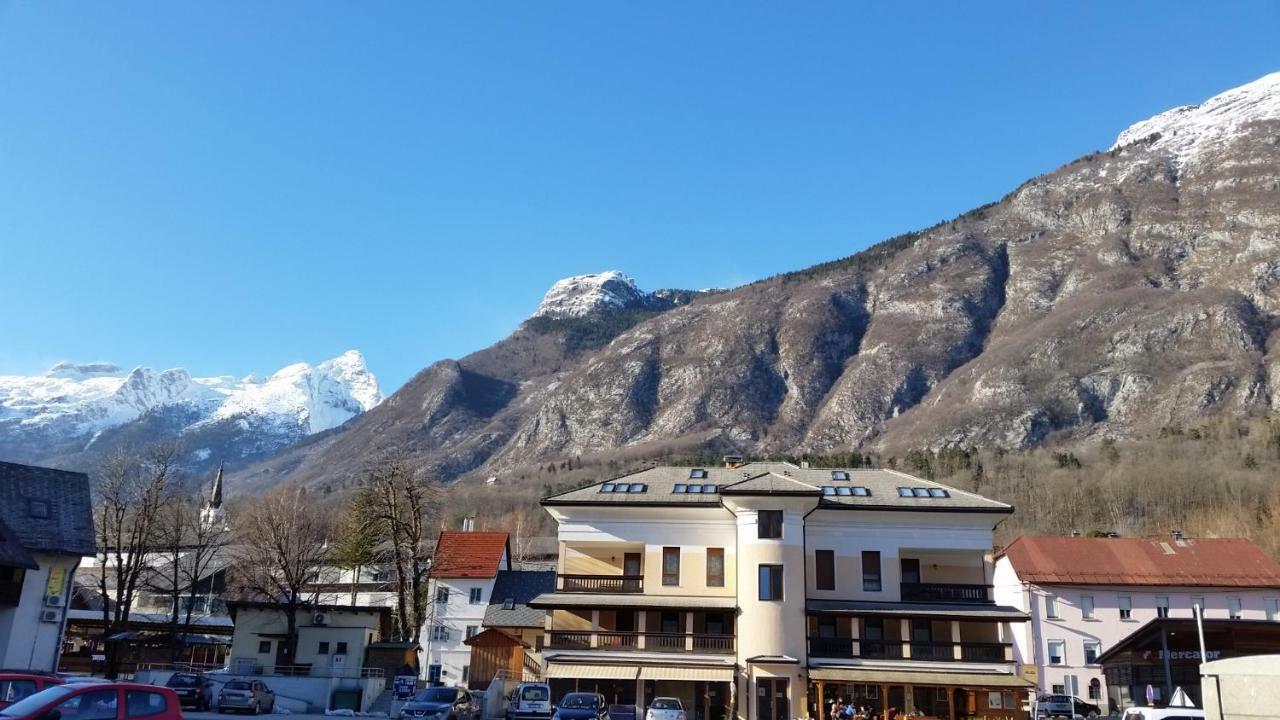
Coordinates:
(1031, 673)
(57, 584)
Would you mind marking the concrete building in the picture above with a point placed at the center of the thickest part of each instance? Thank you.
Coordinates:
(46, 526)
(1086, 595)
(767, 591)
(332, 639)
(463, 572)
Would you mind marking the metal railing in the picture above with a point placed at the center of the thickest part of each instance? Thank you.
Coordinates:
(601, 583)
(898, 650)
(646, 641)
(945, 592)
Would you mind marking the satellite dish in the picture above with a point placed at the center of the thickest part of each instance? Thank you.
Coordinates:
(1180, 700)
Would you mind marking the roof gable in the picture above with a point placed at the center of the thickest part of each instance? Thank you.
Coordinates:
(770, 483)
(469, 554)
(65, 498)
(1210, 562)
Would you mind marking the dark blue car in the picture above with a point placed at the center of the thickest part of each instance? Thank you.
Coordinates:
(440, 703)
(582, 706)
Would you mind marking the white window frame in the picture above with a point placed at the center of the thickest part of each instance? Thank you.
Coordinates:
(1162, 606)
(1086, 607)
(1051, 606)
(1097, 650)
(1235, 608)
(1062, 652)
(476, 596)
(1273, 609)
(1204, 606)
(1124, 604)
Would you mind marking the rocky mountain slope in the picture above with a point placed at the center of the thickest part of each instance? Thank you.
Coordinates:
(76, 412)
(1128, 290)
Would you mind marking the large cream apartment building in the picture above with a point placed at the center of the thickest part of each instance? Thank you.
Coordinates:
(768, 591)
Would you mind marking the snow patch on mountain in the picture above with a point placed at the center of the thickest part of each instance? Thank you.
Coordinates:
(584, 294)
(73, 400)
(1188, 132)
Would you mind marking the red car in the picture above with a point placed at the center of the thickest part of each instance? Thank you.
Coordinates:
(97, 701)
(15, 686)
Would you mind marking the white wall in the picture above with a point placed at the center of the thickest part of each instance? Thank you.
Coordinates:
(456, 615)
(25, 641)
(357, 629)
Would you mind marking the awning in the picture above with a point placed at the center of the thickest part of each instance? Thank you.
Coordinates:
(914, 677)
(706, 674)
(591, 672)
(937, 611)
(591, 601)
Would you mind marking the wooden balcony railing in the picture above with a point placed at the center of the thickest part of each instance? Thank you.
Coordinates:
(601, 583)
(898, 650)
(646, 641)
(946, 592)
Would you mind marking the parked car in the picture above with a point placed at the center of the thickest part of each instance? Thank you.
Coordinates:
(665, 708)
(97, 701)
(582, 706)
(15, 686)
(192, 689)
(529, 701)
(440, 703)
(246, 696)
(1065, 706)
(1173, 713)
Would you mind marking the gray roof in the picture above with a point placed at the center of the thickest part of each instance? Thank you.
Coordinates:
(519, 586)
(660, 484)
(68, 529)
(12, 552)
(975, 611)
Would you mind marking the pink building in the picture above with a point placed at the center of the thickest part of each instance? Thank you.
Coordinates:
(1084, 595)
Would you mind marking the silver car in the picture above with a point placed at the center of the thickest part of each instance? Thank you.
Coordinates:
(246, 696)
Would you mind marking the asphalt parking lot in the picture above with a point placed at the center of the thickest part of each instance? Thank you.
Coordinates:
(194, 715)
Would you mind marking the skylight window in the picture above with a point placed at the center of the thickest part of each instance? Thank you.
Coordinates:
(839, 475)
(843, 490)
(509, 604)
(638, 487)
(904, 492)
(828, 490)
(695, 488)
(711, 489)
(697, 474)
(679, 488)
(920, 492)
(861, 492)
(938, 493)
(606, 488)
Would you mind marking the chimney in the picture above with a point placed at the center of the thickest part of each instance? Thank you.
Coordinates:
(1075, 533)
(1177, 534)
(1113, 534)
(804, 464)
(469, 523)
(732, 461)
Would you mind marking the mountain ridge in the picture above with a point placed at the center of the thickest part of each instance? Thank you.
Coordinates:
(77, 411)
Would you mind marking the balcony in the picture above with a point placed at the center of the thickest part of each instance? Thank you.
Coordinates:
(946, 593)
(600, 583)
(638, 641)
(897, 650)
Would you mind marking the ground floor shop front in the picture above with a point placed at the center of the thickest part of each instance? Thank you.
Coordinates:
(705, 692)
(945, 696)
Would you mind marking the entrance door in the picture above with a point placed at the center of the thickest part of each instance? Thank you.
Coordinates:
(772, 699)
(631, 564)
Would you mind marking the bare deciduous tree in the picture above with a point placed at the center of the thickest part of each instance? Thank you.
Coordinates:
(281, 548)
(188, 550)
(130, 494)
(406, 511)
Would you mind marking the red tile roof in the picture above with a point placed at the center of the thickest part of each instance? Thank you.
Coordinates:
(1225, 562)
(463, 554)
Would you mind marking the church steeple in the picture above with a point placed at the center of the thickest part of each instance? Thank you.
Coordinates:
(212, 514)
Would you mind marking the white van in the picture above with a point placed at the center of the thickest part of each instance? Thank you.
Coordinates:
(529, 701)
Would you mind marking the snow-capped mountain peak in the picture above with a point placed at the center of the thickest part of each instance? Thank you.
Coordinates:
(581, 295)
(1186, 132)
(76, 403)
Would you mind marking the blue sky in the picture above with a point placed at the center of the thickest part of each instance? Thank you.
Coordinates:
(235, 186)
